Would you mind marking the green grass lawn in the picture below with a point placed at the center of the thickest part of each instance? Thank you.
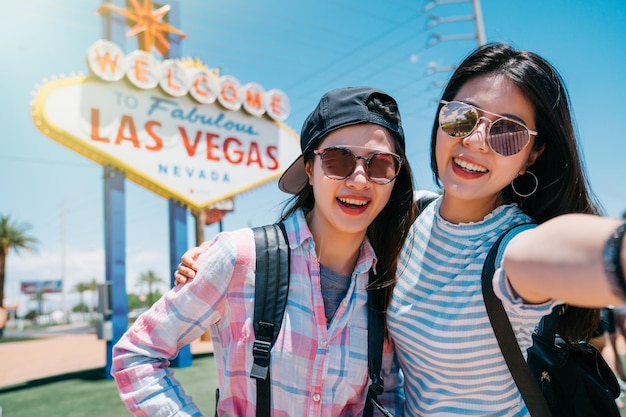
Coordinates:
(88, 393)
(14, 339)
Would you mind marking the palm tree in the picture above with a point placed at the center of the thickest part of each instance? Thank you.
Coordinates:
(80, 288)
(93, 287)
(39, 297)
(13, 235)
(150, 278)
(624, 214)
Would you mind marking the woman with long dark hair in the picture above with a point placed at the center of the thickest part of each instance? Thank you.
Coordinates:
(504, 150)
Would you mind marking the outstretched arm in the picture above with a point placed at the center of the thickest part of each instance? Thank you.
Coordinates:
(564, 259)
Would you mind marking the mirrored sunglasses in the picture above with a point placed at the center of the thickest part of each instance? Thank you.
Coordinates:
(339, 163)
(505, 136)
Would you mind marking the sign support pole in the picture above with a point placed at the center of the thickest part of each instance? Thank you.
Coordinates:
(115, 219)
(115, 257)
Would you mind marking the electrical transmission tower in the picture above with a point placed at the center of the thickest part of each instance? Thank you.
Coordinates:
(434, 38)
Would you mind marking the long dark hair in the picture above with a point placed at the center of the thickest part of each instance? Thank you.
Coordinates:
(390, 228)
(563, 186)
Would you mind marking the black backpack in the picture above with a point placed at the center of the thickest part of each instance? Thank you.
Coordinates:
(556, 380)
(271, 291)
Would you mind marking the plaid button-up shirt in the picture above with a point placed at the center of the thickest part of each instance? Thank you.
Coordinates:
(316, 369)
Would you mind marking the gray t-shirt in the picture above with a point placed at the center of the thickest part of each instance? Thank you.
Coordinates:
(334, 289)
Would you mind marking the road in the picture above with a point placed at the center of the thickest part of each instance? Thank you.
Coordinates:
(65, 329)
(58, 350)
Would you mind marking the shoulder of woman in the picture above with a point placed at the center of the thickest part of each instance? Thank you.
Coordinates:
(509, 234)
(234, 246)
(421, 195)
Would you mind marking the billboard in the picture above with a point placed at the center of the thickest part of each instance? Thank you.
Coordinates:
(35, 287)
(174, 126)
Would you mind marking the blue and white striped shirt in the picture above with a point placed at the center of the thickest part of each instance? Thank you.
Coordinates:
(444, 341)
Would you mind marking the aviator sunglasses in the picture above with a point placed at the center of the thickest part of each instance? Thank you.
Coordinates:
(339, 163)
(505, 136)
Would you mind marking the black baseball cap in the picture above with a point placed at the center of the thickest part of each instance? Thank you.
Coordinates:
(336, 109)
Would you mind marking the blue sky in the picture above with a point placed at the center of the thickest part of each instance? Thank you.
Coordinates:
(304, 49)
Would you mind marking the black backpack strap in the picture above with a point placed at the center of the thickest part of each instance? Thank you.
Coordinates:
(375, 339)
(547, 324)
(528, 388)
(271, 290)
(421, 202)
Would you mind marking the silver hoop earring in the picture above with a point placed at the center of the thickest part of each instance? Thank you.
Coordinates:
(535, 187)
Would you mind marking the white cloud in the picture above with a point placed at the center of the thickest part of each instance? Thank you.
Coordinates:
(81, 266)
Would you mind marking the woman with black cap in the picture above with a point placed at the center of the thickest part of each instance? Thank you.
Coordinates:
(351, 210)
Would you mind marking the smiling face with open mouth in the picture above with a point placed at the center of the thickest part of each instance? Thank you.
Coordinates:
(345, 207)
(472, 174)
